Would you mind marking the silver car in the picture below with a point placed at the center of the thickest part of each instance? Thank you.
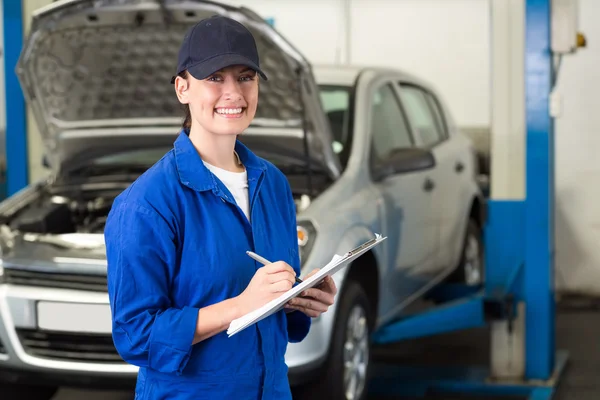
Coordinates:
(366, 150)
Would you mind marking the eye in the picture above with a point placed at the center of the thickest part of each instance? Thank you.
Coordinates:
(214, 78)
(246, 78)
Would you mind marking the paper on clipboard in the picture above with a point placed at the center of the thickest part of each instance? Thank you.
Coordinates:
(337, 262)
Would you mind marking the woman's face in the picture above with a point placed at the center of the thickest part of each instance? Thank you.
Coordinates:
(224, 103)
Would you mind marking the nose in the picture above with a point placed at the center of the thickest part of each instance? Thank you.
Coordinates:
(232, 90)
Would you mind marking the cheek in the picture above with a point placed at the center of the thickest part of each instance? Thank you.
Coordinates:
(252, 100)
(203, 101)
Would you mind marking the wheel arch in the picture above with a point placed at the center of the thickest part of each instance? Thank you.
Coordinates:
(478, 211)
(365, 271)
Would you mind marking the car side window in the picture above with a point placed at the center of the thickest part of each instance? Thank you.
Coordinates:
(389, 127)
(421, 115)
(439, 115)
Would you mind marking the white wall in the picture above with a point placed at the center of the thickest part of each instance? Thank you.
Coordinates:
(444, 41)
(577, 161)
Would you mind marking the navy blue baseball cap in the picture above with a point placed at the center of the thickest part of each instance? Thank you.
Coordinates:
(216, 43)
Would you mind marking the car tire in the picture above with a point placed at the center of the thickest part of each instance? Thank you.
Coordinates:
(471, 268)
(350, 345)
(12, 391)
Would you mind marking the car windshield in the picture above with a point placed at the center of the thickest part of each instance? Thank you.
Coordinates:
(336, 104)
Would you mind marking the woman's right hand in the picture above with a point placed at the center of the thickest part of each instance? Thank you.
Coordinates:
(268, 283)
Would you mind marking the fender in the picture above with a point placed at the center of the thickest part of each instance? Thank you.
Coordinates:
(313, 350)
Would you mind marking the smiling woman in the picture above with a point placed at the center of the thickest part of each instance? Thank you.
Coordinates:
(176, 241)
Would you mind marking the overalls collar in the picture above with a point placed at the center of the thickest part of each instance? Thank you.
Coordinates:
(194, 174)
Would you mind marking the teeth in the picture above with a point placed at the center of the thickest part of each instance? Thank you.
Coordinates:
(228, 110)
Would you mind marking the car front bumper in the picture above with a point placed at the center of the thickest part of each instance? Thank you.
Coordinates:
(31, 354)
(26, 349)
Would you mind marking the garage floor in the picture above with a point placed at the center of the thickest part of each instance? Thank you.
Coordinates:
(578, 331)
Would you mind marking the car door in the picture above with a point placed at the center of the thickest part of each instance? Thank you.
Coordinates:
(406, 201)
(427, 121)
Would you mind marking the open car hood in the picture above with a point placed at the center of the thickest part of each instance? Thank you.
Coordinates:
(94, 68)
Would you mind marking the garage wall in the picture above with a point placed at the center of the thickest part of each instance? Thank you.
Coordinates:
(408, 34)
(577, 162)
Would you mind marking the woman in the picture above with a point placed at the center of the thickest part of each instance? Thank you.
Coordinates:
(176, 241)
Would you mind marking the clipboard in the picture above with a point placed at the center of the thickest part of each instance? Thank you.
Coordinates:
(337, 263)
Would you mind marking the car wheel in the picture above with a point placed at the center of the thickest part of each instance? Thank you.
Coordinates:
(471, 269)
(346, 374)
(22, 391)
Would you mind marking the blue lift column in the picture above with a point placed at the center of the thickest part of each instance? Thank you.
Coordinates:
(519, 239)
(16, 123)
(538, 288)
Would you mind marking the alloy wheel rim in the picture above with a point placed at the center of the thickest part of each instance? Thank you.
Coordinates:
(472, 261)
(356, 353)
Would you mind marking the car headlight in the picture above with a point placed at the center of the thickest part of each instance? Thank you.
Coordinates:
(307, 235)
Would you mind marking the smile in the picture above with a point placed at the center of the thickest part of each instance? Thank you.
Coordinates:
(229, 112)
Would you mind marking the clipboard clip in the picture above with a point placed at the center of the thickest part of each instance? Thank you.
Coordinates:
(362, 246)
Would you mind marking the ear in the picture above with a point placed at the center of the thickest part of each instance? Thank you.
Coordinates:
(182, 86)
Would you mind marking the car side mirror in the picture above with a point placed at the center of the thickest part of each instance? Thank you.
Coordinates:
(403, 161)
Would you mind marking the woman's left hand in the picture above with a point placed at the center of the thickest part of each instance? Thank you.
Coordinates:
(314, 301)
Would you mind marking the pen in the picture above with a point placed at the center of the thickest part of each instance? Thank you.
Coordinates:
(264, 261)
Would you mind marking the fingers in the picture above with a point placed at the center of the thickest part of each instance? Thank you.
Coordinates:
(308, 306)
(319, 295)
(315, 301)
(309, 312)
(279, 266)
(329, 285)
(281, 276)
(281, 286)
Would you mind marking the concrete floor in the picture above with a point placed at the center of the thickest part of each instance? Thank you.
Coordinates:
(578, 330)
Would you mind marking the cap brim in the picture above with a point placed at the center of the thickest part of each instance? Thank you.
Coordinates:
(209, 67)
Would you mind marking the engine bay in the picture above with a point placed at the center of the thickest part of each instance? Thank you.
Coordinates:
(68, 211)
(69, 207)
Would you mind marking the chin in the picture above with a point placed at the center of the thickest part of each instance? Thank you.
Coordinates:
(231, 128)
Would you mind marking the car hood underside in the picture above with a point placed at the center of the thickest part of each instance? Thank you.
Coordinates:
(94, 68)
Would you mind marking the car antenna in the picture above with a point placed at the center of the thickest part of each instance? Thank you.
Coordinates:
(304, 131)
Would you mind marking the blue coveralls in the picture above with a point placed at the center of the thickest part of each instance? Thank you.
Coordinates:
(176, 241)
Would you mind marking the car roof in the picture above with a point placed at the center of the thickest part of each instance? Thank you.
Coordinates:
(346, 75)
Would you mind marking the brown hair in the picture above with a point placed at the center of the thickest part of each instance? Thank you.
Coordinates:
(187, 122)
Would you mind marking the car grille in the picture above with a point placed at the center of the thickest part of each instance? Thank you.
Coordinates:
(95, 283)
(98, 348)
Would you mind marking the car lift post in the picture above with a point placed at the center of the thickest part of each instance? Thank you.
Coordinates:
(517, 302)
(16, 128)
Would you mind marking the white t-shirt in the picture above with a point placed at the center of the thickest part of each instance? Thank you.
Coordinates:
(236, 183)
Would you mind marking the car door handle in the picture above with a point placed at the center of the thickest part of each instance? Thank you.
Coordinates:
(428, 185)
(459, 167)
